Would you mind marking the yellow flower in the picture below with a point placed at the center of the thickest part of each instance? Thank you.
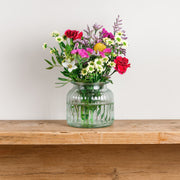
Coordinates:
(99, 47)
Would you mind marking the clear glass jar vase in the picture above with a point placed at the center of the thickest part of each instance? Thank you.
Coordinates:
(90, 105)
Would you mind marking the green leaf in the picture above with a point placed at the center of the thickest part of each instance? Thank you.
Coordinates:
(48, 62)
(49, 67)
(63, 79)
(63, 45)
(65, 73)
(53, 60)
(62, 84)
(68, 48)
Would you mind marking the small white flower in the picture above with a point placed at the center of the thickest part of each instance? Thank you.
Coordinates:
(44, 45)
(118, 39)
(112, 64)
(109, 42)
(84, 72)
(69, 65)
(67, 60)
(64, 37)
(122, 55)
(90, 69)
(53, 51)
(91, 63)
(100, 69)
(125, 44)
(106, 39)
(119, 33)
(55, 34)
(105, 59)
(114, 54)
(59, 39)
(98, 62)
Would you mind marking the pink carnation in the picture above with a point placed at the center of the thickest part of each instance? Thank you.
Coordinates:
(90, 50)
(81, 52)
(74, 51)
(107, 50)
(102, 54)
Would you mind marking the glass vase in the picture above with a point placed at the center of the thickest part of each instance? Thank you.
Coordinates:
(90, 105)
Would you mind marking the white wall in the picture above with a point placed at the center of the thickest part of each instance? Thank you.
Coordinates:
(150, 89)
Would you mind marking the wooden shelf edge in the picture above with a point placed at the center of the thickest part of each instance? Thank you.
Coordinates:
(58, 133)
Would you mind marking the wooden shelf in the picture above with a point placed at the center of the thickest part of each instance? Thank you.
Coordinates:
(44, 132)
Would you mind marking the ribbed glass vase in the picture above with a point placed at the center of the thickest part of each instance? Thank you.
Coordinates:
(90, 105)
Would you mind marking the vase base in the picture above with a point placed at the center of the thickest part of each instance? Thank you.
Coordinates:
(78, 125)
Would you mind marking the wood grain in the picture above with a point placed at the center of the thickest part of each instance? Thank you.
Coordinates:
(54, 132)
(90, 162)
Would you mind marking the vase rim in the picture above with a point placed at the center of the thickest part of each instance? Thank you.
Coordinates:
(87, 83)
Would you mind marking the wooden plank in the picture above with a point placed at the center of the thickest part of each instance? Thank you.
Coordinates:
(90, 162)
(57, 132)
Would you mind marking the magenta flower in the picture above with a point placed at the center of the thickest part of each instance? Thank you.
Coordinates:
(90, 50)
(102, 54)
(74, 51)
(81, 52)
(107, 34)
(107, 50)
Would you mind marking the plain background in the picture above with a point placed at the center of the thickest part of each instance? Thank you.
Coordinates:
(149, 90)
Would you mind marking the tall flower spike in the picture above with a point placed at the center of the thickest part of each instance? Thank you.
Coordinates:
(97, 27)
(117, 24)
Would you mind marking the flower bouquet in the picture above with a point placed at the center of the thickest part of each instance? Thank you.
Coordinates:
(88, 60)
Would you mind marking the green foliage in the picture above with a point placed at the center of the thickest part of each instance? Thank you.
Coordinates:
(63, 58)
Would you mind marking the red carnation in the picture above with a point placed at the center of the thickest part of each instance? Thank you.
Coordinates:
(121, 64)
(73, 34)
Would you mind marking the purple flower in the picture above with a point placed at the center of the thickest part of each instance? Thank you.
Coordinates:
(97, 27)
(107, 34)
(117, 24)
(76, 45)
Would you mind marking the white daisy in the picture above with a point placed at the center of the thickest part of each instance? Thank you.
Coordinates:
(112, 64)
(91, 63)
(98, 62)
(90, 69)
(109, 42)
(125, 44)
(106, 39)
(118, 39)
(44, 45)
(114, 54)
(105, 59)
(84, 72)
(59, 39)
(119, 33)
(55, 34)
(100, 69)
(69, 65)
